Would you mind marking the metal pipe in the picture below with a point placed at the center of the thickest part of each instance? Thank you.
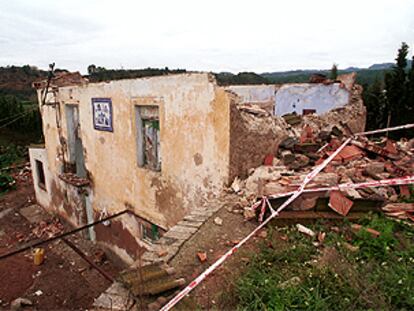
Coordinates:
(90, 262)
(61, 235)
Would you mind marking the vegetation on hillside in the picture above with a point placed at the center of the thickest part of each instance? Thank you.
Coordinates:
(390, 99)
(19, 112)
(98, 74)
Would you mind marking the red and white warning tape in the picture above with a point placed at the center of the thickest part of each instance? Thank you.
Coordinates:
(388, 129)
(294, 195)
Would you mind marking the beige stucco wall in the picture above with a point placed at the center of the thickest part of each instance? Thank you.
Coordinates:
(194, 123)
(42, 195)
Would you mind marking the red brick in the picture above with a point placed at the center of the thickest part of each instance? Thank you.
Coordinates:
(339, 203)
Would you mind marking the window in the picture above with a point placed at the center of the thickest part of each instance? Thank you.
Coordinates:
(41, 182)
(308, 111)
(148, 137)
(150, 232)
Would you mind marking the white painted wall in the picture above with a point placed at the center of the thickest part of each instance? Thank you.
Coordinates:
(43, 196)
(322, 98)
(254, 93)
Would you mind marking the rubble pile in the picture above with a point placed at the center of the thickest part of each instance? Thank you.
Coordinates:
(74, 180)
(362, 160)
(48, 229)
(254, 132)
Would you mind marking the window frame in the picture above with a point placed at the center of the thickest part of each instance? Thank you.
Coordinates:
(140, 127)
(40, 173)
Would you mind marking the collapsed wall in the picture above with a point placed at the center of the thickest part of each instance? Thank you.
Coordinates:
(254, 133)
(264, 146)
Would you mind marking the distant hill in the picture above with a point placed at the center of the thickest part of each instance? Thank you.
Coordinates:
(98, 74)
(226, 78)
(365, 75)
(381, 66)
(18, 81)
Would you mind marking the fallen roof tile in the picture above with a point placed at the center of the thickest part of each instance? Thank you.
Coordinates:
(340, 203)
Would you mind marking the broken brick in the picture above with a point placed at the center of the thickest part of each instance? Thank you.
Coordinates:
(405, 191)
(374, 233)
(269, 160)
(390, 147)
(307, 135)
(202, 256)
(350, 153)
(340, 203)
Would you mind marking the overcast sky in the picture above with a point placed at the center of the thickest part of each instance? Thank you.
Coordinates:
(208, 35)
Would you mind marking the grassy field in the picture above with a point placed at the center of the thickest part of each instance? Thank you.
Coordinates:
(348, 271)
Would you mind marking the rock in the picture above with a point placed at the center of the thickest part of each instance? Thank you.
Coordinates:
(202, 256)
(287, 157)
(288, 143)
(260, 174)
(326, 179)
(235, 186)
(18, 303)
(300, 161)
(218, 221)
(249, 214)
(374, 168)
(352, 193)
(38, 293)
(324, 135)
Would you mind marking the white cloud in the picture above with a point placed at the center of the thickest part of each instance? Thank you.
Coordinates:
(204, 35)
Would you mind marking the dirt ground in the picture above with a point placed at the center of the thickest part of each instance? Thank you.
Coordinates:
(215, 240)
(64, 281)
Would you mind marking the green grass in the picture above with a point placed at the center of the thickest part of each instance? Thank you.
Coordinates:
(300, 276)
(9, 154)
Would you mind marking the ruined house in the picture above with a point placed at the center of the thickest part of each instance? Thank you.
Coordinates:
(161, 146)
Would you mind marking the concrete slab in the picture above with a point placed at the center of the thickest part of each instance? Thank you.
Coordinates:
(34, 213)
(116, 297)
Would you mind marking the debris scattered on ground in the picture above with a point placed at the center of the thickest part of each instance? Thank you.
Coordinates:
(357, 228)
(218, 221)
(202, 256)
(74, 180)
(38, 293)
(18, 303)
(305, 230)
(400, 210)
(47, 229)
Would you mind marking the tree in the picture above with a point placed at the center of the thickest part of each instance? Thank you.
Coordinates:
(396, 87)
(375, 100)
(91, 69)
(409, 107)
(334, 72)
